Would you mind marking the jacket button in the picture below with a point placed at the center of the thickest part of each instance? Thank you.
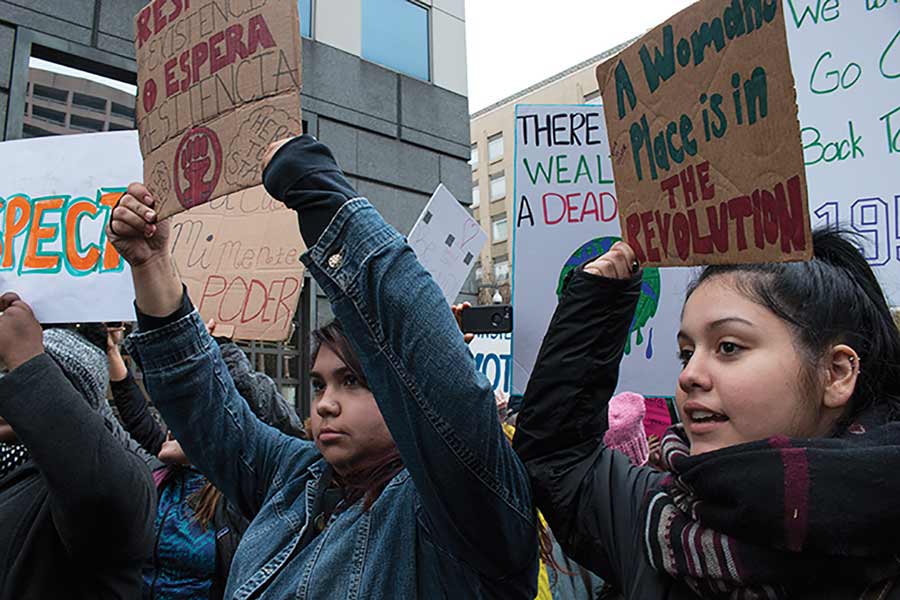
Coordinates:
(335, 260)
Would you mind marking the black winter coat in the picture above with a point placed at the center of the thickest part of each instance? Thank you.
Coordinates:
(76, 519)
(592, 496)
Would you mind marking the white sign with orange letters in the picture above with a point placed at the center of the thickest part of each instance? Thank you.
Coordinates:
(56, 197)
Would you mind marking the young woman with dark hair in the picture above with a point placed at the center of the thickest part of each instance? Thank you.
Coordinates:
(781, 482)
(335, 517)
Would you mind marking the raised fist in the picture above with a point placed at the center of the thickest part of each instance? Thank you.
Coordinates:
(618, 263)
(134, 230)
(21, 336)
(271, 150)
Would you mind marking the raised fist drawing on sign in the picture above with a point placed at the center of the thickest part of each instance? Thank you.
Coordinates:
(199, 163)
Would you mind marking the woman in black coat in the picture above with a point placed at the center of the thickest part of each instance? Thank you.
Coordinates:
(782, 482)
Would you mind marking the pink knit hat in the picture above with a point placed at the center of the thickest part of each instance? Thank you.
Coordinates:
(626, 427)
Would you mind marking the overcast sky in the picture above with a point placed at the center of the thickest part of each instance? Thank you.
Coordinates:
(512, 44)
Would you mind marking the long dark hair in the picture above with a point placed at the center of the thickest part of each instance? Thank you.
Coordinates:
(832, 299)
(205, 501)
(371, 481)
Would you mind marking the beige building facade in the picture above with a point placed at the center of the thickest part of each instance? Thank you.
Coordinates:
(57, 104)
(493, 165)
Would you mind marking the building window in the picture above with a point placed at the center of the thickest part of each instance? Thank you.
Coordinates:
(498, 186)
(474, 160)
(479, 273)
(89, 102)
(395, 34)
(593, 98)
(306, 18)
(51, 94)
(476, 196)
(85, 123)
(500, 230)
(495, 147)
(122, 111)
(49, 115)
(501, 269)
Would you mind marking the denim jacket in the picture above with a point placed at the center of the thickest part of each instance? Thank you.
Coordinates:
(457, 522)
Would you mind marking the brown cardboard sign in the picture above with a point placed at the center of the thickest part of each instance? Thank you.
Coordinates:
(705, 140)
(239, 257)
(218, 81)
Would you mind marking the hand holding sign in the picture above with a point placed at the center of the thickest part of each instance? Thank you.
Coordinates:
(618, 263)
(271, 150)
(134, 230)
(21, 338)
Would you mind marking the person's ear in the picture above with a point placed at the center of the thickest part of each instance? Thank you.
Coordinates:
(842, 368)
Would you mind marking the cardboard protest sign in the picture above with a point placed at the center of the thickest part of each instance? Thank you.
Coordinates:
(846, 61)
(702, 119)
(239, 257)
(566, 214)
(218, 81)
(447, 241)
(56, 197)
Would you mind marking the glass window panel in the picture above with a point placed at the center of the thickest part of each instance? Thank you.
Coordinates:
(498, 186)
(395, 34)
(593, 98)
(85, 123)
(89, 102)
(476, 196)
(501, 270)
(306, 18)
(499, 229)
(495, 147)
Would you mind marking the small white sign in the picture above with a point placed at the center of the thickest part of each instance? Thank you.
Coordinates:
(447, 241)
(493, 357)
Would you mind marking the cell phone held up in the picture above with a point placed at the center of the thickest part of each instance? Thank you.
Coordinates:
(493, 318)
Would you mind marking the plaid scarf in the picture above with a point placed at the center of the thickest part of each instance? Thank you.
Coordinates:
(769, 519)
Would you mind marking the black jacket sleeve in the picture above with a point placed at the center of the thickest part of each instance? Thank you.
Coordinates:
(590, 495)
(304, 175)
(135, 416)
(102, 498)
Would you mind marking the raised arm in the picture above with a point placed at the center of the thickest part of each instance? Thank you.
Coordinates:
(439, 408)
(184, 371)
(589, 494)
(135, 414)
(101, 494)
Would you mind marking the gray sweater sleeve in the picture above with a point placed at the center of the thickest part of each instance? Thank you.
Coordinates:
(261, 393)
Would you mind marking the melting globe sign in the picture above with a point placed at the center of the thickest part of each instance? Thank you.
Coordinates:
(648, 303)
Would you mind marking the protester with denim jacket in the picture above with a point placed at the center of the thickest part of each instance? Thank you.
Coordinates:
(457, 521)
(197, 529)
